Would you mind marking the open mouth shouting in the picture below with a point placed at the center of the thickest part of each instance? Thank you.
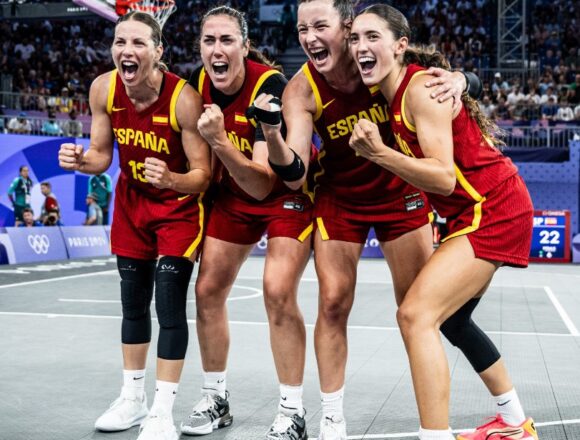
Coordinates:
(129, 69)
(220, 68)
(366, 64)
(319, 54)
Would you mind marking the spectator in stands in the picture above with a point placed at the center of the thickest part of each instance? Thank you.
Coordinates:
(574, 90)
(72, 127)
(577, 113)
(102, 187)
(19, 124)
(64, 103)
(549, 94)
(565, 112)
(487, 107)
(50, 204)
(515, 96)
(549, 109)
(19, 194)
(50, 127)
(28, 219)
(94, 211)
(499, 85)
(502, 110)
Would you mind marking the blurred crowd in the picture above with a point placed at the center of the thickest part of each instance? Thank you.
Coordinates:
(53, 63)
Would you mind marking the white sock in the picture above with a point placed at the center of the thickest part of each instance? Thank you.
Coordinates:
(291, 400)
(165, 393)
(510, 408)
(435, 434)
(134, 383)
(332, 404)
(214, 382)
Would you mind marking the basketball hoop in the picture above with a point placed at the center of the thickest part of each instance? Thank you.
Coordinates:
(160, 9)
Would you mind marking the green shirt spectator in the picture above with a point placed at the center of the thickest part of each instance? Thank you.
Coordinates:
(102, 187)
(19, 194)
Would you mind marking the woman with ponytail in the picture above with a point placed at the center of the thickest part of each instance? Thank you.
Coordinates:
(450, 154)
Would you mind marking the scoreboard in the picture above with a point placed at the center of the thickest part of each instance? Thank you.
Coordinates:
(551, 237)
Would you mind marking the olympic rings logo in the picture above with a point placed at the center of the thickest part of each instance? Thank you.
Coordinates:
(39, 243)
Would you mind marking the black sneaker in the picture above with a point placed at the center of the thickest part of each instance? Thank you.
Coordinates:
(288, 428)
(211, 412)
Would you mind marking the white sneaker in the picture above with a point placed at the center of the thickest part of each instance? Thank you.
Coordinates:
(124, 413)
(158, 427)
(332, 428)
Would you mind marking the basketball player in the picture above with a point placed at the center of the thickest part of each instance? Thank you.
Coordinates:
(158, 218)
(450, 155)
(249, 201)
(351, 193)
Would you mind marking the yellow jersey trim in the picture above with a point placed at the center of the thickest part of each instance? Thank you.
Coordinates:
(431, 217)
(477, 208)
(200, 81)
(306, 233)
(173, 105)
(191, 249)
(111, 95)
(257, 87)
(315, 91)
(160, 120)
(322, 229)
(477, 214)
(410, 126)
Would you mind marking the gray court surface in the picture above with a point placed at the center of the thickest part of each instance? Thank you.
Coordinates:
(60, 364)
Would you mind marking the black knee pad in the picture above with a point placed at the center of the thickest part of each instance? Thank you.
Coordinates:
(171, 283)
(137, 277)
(463, 333)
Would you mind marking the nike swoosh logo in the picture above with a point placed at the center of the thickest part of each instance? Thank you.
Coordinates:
(505, 403)
(328, 103)
(138, 378)
(513, 433)
(183, 198)
(284, 398)
(117, 109)
(219, 380)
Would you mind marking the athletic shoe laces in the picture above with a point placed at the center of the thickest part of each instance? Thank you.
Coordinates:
(281, 424)
(202, 407)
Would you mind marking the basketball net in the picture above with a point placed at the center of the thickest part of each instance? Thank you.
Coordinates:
(160, 9)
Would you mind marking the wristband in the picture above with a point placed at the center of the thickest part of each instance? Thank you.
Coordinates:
(270, 117)
(292, 172)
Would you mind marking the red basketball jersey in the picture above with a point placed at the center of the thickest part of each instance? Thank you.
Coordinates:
(479, 166)
(241, 130)
(153, 132)
(349, 177)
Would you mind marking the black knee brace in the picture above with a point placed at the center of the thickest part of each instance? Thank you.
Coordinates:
(462, 332)
(171, 282)
(137, 278)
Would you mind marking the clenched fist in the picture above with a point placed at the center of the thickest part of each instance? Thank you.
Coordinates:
(211, 125)
(70, 156)
(366, 139)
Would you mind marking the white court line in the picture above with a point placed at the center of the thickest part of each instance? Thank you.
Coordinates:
(258, 293)
(455, 431)
(265, 324)
(48, 280)
(563, 314)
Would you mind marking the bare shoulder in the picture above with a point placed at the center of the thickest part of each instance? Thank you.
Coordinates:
(189, 107)
(419, 97)
(299, 92)
(99, 91)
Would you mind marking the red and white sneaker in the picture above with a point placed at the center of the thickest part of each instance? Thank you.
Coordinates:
(497, 429)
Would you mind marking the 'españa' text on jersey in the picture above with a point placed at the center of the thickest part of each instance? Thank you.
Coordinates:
(153, 132)
(341, 171)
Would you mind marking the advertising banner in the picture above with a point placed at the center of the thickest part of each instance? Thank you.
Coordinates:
(86, 241)
(37, 244)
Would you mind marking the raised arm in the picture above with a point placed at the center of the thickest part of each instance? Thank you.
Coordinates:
(188, 110)
(298, 108)
(435, 172)
(100, 153)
